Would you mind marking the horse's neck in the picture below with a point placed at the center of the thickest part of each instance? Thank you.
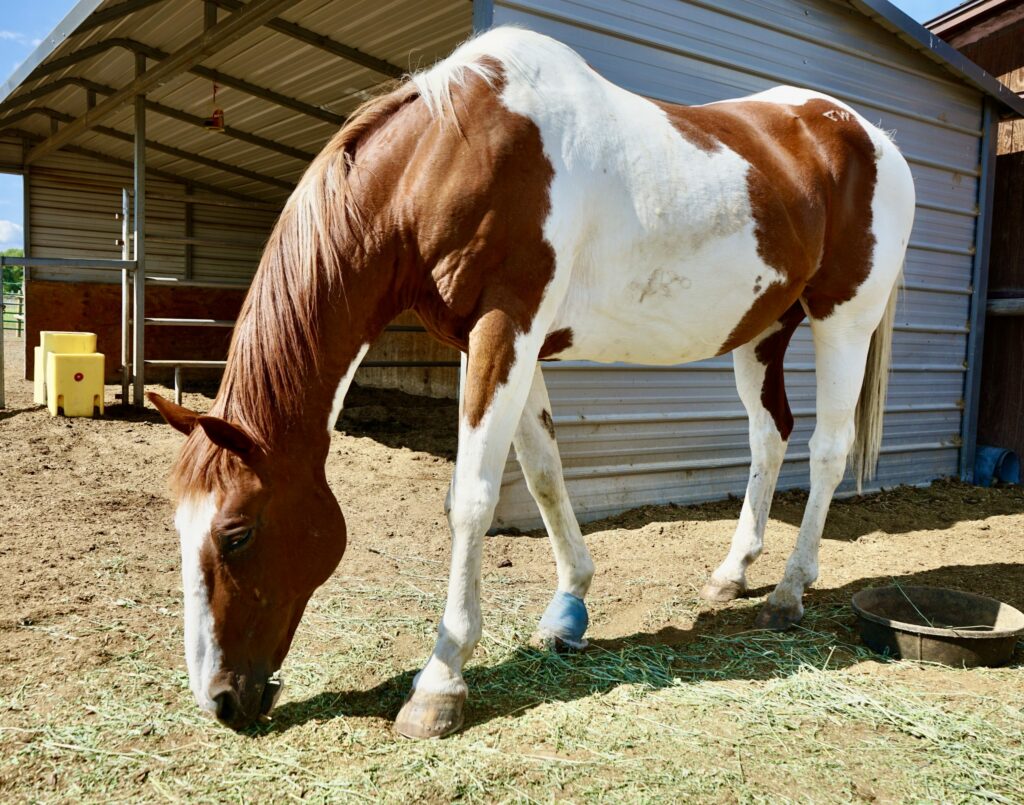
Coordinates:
(293, 362)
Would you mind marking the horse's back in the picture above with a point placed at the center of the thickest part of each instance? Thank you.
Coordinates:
(682, 232)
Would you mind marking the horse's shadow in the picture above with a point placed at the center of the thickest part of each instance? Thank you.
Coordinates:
(667, 656)
(939, 506)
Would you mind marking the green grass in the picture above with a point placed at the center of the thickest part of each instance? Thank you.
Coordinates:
(745, 717)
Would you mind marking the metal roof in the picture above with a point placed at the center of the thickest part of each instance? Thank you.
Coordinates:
(920, 38)
(973, 13)
(285, 84)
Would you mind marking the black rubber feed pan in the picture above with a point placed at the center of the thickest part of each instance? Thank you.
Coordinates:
(934, 624)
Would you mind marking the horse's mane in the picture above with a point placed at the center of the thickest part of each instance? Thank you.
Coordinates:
(275, 345)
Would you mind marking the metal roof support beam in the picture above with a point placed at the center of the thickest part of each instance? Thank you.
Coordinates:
(233, 133)
(332, 46)
(156, 54)
(153, 106)
(270, 96)
(252, 16)
(157, 173)
(98, 18)
(209, 15)
(979, 282)
(62, 117)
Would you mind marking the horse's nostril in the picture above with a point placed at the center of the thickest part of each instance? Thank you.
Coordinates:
(227, 706)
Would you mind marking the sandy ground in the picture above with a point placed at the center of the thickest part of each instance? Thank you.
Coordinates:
(89, 565)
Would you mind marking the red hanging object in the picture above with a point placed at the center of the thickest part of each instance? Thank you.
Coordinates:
(215, 122)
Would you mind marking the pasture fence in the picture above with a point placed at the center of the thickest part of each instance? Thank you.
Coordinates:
(12, 304)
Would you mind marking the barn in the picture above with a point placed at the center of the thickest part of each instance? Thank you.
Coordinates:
(991, 34)
(159, 138)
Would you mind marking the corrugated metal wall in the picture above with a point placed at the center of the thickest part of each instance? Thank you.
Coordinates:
(10, 153)
(73, 201)
(634, 435)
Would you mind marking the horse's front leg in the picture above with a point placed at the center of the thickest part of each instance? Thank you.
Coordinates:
(498, 375)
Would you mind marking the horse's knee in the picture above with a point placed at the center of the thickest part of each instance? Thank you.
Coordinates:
(470, 509)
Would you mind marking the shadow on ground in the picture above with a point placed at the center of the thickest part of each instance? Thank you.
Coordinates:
(397, 419)
(936, 507)
(720, 645)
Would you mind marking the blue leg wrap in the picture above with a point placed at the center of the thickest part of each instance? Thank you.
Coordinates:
(566, 618)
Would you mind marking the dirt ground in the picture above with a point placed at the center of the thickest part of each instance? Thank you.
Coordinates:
(676, 698)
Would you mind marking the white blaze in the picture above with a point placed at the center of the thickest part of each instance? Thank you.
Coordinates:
(202, 653)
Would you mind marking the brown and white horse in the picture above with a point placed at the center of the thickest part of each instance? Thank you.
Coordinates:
(526, 208)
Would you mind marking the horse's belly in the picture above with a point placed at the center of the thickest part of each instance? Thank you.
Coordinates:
(657, 309)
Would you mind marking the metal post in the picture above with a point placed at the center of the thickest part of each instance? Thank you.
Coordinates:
(177, 385)
(126, 299)
(26, 213)
(483, 15)
(138, 323)
(3, 335)
(189, 231)
(979, 295)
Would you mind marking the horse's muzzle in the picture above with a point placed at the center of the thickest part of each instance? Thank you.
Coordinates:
(240, 713)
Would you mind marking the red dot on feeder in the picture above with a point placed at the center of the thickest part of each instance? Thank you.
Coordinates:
(79, 377)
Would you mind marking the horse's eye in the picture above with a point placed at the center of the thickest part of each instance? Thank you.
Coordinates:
(236, 540)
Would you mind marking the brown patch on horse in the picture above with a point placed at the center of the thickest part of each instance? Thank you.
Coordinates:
(482, 233)
(548, 422)
(557, 341)
(811, 182)
(770, 352)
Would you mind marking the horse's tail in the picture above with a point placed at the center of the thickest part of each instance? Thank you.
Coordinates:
(871, 403)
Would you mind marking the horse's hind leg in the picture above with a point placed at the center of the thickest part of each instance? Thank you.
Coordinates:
(761, 385)
(565, 620)
(841, 349)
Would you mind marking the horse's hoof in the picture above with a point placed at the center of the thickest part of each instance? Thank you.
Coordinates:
(778, 618)
(430, 715)
(721, 592)
(547, 641)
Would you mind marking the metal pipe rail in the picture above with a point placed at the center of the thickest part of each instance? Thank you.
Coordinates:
(70, 262)
(179, 365)
(176, 282)
(160, 321)
(227, 244)
(1011, 306)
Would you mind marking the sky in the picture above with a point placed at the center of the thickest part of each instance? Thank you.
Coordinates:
(23, 24)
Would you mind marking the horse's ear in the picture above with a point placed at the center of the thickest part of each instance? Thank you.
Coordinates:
(177, 416)
(231, 437)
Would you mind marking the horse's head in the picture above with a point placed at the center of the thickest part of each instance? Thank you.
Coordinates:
(259, 534)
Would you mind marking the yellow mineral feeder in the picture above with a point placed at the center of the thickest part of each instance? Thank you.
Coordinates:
(69, 373)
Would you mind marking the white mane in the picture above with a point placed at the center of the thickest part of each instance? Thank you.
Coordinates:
(515, 48)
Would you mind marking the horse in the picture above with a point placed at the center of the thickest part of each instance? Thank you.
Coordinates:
(528, 209)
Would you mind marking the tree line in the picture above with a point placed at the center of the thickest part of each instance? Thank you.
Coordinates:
(12, 275)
